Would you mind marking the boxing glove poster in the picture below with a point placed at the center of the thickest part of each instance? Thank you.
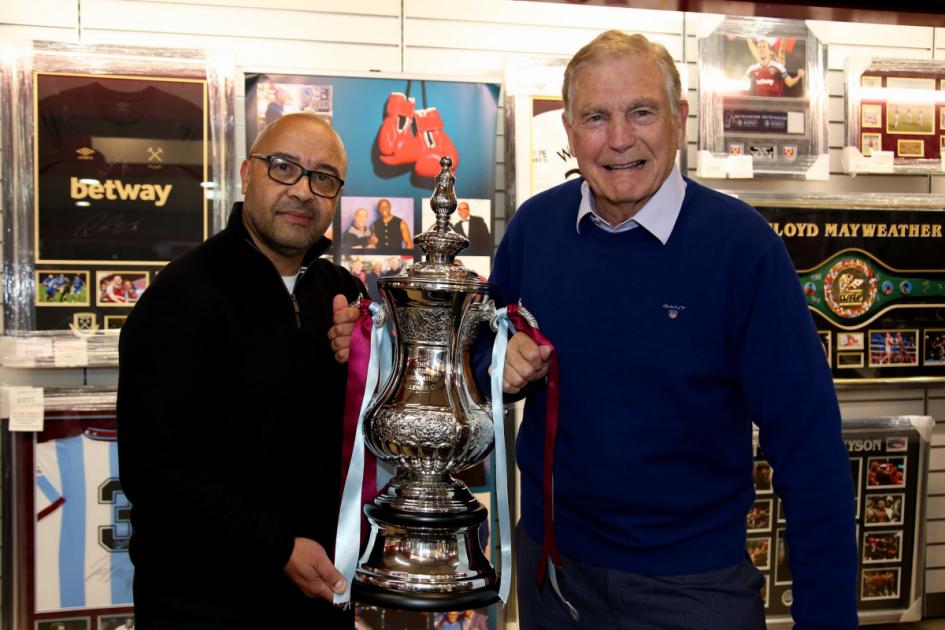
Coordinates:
(395, 131)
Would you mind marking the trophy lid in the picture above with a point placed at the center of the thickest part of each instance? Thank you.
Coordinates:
(440, 243)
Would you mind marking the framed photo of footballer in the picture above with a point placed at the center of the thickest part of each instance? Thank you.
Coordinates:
(120, 288)
(62, 287)
(871, 142)
(894, 106)
(871, 116)
(762, 85)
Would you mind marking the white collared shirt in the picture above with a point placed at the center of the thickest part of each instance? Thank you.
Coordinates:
(658, 216)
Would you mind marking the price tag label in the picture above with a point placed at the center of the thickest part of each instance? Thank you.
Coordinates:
(26, 408)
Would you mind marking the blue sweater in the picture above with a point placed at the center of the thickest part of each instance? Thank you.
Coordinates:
(668, 353)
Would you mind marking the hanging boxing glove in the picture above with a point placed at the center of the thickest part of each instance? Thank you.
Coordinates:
(395, 140)
(434, 143)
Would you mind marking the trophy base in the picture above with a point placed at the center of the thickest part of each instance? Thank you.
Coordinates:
(371, 595)
(425, 561)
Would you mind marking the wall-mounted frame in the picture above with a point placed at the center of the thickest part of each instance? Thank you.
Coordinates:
(890, 523)
(68, 527)
(895, 116)
(872, 268)
(762, 107)
(115, 159)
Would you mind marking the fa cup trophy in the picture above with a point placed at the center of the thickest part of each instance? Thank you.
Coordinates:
(430, 421)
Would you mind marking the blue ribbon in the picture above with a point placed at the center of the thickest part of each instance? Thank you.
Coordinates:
(499, 349)
(348, 536)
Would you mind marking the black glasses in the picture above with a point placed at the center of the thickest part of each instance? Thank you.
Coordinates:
(288, 172)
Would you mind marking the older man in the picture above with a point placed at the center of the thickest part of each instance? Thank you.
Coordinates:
(230, 405)
(703, 330)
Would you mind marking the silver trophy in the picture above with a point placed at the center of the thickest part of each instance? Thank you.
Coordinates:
(430, 421)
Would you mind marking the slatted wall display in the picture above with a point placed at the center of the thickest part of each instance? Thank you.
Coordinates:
(472, 38)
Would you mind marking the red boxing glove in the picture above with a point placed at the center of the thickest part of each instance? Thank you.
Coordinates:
(395, 139)
(434, 143)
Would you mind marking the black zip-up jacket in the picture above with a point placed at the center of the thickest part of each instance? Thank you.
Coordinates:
(230, 411)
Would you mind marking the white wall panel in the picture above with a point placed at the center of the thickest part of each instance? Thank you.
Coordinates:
(838, 53)
(935, 532)
(171, 17)
(19, 33)
(360, 7)
(304, 57)
(874, 36)
(545, 14)
(48, 13)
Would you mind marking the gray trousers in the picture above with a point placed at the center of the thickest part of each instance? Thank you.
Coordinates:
(728, 599)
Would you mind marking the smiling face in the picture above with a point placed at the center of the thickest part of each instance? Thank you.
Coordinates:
(623, 132)
(284, 221)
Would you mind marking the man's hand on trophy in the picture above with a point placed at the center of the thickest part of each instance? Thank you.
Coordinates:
(525, 362)
(310, 568)
(340, 333)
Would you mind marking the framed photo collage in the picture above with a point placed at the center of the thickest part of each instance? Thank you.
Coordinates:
(888, 462)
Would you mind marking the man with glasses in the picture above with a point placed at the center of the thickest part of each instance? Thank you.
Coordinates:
(230, 405)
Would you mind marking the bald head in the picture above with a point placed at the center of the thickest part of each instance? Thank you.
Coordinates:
(304, 125)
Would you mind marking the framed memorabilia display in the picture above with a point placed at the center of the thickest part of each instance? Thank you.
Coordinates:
(395, 132)
(536, 143)
(895, 116)
(872, 268)
(762, 106)
(115, 171)
(68, 517)
(889, 467)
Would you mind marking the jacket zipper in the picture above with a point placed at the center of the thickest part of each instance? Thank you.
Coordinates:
(296, 311)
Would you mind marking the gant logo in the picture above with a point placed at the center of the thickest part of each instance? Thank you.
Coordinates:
(673, 310)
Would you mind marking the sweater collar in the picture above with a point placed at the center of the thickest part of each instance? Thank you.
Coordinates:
(238, 232)
(658, 216)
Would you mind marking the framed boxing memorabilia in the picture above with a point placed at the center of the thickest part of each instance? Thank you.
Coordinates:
(889, 460)
(762, 106)
(895, 116)
(872, 268)
(118, 162)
